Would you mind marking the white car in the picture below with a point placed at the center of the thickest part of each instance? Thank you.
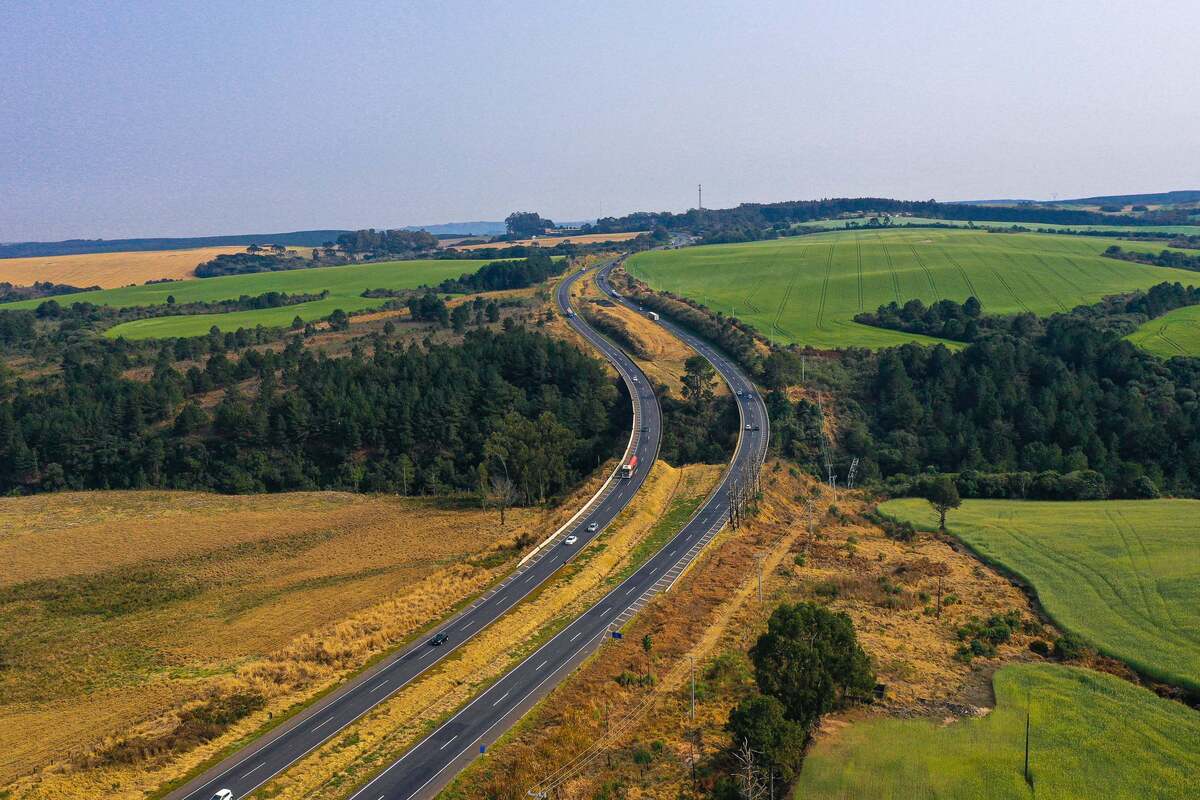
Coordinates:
(572, 539)
(593, 527)
(224, 794)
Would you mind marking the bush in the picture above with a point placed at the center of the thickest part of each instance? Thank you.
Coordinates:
(1069, 647)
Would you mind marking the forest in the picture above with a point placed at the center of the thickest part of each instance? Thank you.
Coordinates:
(518, 408)
(1061, 410)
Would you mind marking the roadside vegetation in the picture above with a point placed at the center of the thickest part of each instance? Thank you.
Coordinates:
(1122, 575)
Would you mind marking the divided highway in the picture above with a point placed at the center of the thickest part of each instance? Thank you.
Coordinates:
(433, 762)
(246, 770)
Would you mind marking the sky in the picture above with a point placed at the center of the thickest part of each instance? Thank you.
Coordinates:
(160, 118)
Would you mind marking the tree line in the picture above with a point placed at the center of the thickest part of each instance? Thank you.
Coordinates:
(518, 406)
(965, 322)
(1165, 258)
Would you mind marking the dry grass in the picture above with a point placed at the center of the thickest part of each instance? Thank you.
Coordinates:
(109, 270)
(713, 615)
(119, 610)
(333, 770)
(551, 241)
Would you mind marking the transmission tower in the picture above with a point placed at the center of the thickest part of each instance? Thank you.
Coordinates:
(853, 472)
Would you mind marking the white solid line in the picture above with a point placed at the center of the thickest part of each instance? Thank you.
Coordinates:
(501, 697)
(448, 741)
(263, 764)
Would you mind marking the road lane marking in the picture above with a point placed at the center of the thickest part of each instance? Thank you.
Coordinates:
(263, 764)
(501, 697)
(378, 686)
(576, 636)
(323, 723)
(469, 624)
(427, 652)
(539, 666)
(448, 741)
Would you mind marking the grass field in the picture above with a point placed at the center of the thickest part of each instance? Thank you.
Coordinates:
(109, 270)
(1174, 334)
(345, 284)
(806, 290)
(117, 608)
(1091, 735)
(1124, 574)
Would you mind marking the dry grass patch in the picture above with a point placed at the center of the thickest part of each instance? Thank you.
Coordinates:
(713, 616)
(122, 613)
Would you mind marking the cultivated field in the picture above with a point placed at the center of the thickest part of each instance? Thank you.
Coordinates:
(806, 290)
(1174, 334)
(109, 270)
(345, 284)
(551, 241)
(120, 609)
(1124, 574)
(1091, 735)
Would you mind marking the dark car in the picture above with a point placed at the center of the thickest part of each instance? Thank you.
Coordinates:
(439, 640)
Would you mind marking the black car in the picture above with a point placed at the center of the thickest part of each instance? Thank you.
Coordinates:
(439, 640)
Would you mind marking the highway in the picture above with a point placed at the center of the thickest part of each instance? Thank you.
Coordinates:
(251, 767)
(434, 761)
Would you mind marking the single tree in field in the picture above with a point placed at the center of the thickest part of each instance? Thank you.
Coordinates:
(942, 494)
(647, 646)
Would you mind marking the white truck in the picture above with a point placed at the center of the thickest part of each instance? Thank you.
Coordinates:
(653, 315)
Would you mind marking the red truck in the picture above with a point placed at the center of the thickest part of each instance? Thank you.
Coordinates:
(629, 468)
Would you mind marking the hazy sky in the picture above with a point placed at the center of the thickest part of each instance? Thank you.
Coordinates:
(129, 119)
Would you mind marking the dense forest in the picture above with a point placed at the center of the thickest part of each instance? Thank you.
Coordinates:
(537, 267)
(1064, 410)
(518, 412)
(965, 322)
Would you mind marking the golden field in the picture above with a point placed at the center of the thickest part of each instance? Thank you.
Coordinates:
(119, 611)
(109, 270)
(551, 241)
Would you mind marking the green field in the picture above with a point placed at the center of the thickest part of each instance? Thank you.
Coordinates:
(1174, 334)
(807, 289)
(1091, 736)
(345, 284)
(1123, 574)
(837, 224)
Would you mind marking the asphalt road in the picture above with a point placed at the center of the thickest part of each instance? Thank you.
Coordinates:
(246, 770)
(434, 761)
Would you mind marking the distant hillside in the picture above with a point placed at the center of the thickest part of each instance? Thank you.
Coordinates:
(482, 228)
(1161, 198)
(81, 246)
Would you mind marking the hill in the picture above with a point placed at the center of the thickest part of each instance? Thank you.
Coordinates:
(80, 246)
(806, 290)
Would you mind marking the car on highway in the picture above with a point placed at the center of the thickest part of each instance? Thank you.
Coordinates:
(749, 427)
(224, 794)
(572, 539)
(439, 640)
(593, 527)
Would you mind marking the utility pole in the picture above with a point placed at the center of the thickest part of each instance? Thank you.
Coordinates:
(699, 197)
(693, 658)
(759, 558)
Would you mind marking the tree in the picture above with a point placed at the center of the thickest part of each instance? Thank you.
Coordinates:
(339, 320)
(942, 494)
(460, 316)
(699, 382)
(810, 660)
(760, 723)
(522, 224)
(647, 646)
